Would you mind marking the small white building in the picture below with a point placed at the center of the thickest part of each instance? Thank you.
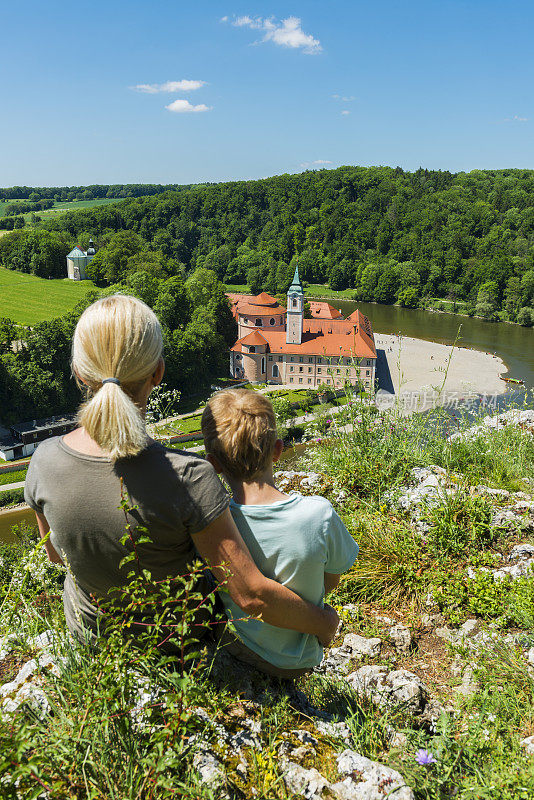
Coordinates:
(22, 439)
(77, 261)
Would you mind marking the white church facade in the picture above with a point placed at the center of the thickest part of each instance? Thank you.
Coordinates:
(77, 261)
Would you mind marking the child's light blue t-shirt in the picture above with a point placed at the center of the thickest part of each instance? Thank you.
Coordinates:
(294, 542)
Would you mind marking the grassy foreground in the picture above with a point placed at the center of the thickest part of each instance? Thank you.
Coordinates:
(126, 723)
(27, 299)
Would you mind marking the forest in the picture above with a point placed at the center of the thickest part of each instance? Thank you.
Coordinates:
(390, 235)
(69, 193)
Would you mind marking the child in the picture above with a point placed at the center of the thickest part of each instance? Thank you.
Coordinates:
(299, 541)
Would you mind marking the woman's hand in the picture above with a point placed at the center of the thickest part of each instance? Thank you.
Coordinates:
(331, 626)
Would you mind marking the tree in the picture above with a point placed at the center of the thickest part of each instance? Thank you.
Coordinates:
(110, 264)
(487, 300)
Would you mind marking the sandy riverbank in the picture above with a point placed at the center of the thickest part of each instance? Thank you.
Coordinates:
(415, 369)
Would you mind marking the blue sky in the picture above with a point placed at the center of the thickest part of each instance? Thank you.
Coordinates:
(233, 90)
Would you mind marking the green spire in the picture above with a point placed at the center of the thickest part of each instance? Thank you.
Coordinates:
(296, 286)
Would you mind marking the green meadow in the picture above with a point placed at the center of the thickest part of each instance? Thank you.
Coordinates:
(27, 299)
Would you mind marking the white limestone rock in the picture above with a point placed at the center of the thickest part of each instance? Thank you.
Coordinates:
(302, 782)
(334, 730)
(368, 780)
(354, 647)
(528, 745)
(209, 767)
(401, 637)
(398, 687)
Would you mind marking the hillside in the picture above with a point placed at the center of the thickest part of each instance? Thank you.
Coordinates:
(426, 694)
(391, 235)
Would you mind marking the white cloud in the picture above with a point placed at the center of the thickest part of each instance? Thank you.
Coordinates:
(343, 98)
(182, 106)
(520, 119)
(287, 33)
(319, 162)
(345, 113)
(224, 19)
(169, 86)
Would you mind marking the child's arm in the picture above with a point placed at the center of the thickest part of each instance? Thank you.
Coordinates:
(331, 582)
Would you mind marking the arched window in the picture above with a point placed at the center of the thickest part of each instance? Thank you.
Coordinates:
(258, 322)
(263, 365)
(272, 321)
(294, 302)
(276, 374)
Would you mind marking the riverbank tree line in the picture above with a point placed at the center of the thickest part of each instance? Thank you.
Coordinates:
(36, 379)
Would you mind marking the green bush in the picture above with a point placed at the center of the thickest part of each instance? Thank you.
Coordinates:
(11, 497)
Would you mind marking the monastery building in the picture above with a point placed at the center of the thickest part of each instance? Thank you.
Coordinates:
(276, 345)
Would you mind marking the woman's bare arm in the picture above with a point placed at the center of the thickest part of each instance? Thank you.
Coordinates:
(44, 529)
(222, 547)
(331, 582)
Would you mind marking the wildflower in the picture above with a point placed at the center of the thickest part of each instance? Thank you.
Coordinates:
(424, 758)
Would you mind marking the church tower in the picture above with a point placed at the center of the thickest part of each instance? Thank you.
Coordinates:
(295, 310)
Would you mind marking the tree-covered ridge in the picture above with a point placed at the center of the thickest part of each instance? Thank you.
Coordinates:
(69, 193)
(393, 236)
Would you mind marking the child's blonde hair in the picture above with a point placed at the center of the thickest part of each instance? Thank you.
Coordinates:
(239, 427)
(117, 337)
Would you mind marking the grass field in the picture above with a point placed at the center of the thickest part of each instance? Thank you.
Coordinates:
(237, 287)
(61, 208)
(27, 300)
(322, 290)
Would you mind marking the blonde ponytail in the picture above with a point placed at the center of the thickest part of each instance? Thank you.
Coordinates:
(117, 337)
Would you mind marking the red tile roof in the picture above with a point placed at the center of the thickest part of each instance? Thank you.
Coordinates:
(322, 310)
(254, 337)
(328, 338)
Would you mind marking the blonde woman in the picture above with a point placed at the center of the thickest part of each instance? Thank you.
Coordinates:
(74, 485)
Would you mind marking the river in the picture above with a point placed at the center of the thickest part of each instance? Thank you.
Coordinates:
(513, 343)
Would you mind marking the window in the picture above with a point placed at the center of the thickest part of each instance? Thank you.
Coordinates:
(270, 358)
(309, 369)
(300, 380)
(309, 380)
(291, 380)
(368, 363)
(319, 369)
(272, 321)
(276, 374)
(294, 302)
(301, 369)
(291, 369)
(263, 365)
(252, 349)
(338, 371)
(280, 358)
(291, 359)
(319, 360)
(245, 320)
(328, 380)
(310, 361)
(367, 372)
(258, 322)
(301, 359)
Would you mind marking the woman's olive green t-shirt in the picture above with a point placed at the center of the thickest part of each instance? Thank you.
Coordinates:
(173, 494)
